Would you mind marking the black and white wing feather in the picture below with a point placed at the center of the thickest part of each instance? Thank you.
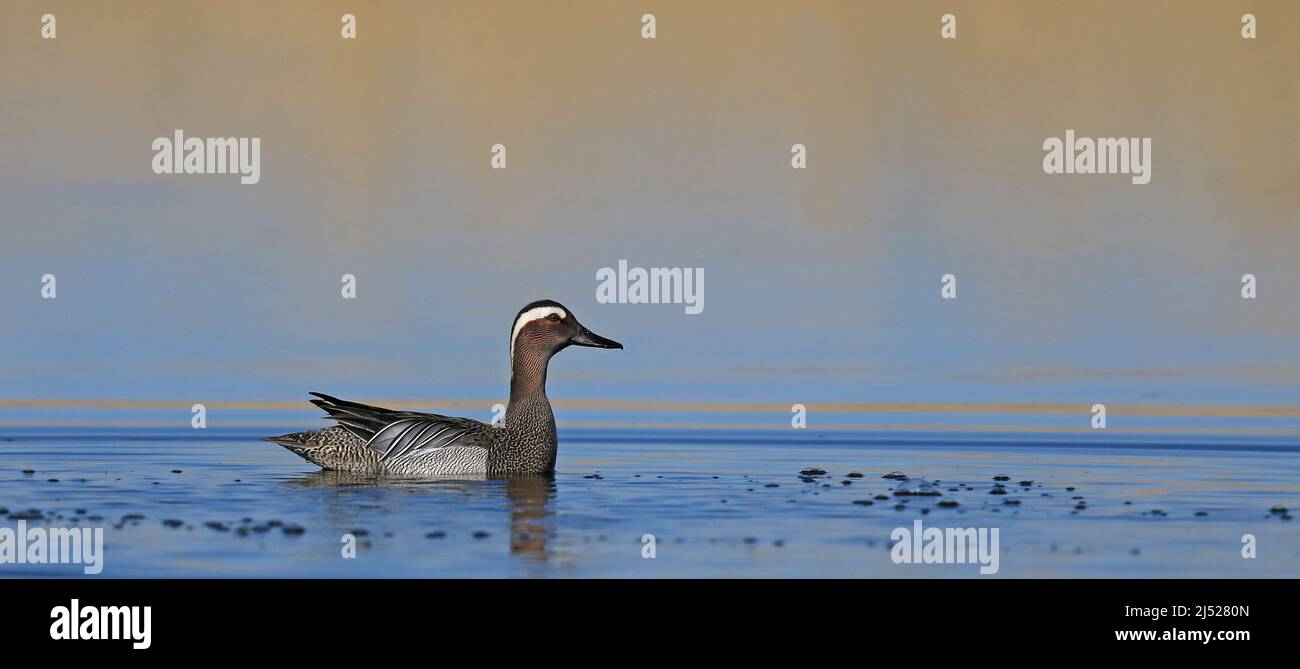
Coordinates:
(404, 435)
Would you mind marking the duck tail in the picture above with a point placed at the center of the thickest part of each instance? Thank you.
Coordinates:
(297, 441)
(313, 446)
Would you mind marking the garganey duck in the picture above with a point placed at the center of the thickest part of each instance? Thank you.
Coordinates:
(378, 441)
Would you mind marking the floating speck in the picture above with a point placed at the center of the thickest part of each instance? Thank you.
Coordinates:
(915, 488)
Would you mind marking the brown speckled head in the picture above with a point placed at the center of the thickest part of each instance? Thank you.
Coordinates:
(540, 330)
(546, 326)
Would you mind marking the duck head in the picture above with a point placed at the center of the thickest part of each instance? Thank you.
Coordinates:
(545, 327)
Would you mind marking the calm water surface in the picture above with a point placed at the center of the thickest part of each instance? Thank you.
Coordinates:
(719, 504)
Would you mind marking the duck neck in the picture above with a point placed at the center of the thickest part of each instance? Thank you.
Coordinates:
(528, 377)
(530, 423)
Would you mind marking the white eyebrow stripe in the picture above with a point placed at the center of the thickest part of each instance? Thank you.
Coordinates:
(530, 316)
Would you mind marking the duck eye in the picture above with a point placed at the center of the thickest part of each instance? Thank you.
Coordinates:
(554, 318)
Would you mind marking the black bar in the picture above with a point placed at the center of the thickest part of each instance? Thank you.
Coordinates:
(306, 618)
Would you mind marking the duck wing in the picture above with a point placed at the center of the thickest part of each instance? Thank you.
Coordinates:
(401, 434)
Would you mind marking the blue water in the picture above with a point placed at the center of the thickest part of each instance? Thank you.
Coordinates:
(718, 504)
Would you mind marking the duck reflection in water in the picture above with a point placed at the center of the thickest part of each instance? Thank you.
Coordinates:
(528, 499)
(530, 514)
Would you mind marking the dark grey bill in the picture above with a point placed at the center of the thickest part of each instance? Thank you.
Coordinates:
(586, 337)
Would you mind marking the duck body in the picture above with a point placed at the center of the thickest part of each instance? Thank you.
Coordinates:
(373, 440)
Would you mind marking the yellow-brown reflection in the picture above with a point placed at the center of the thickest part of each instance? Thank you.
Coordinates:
(530, 515)
(528, 500)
